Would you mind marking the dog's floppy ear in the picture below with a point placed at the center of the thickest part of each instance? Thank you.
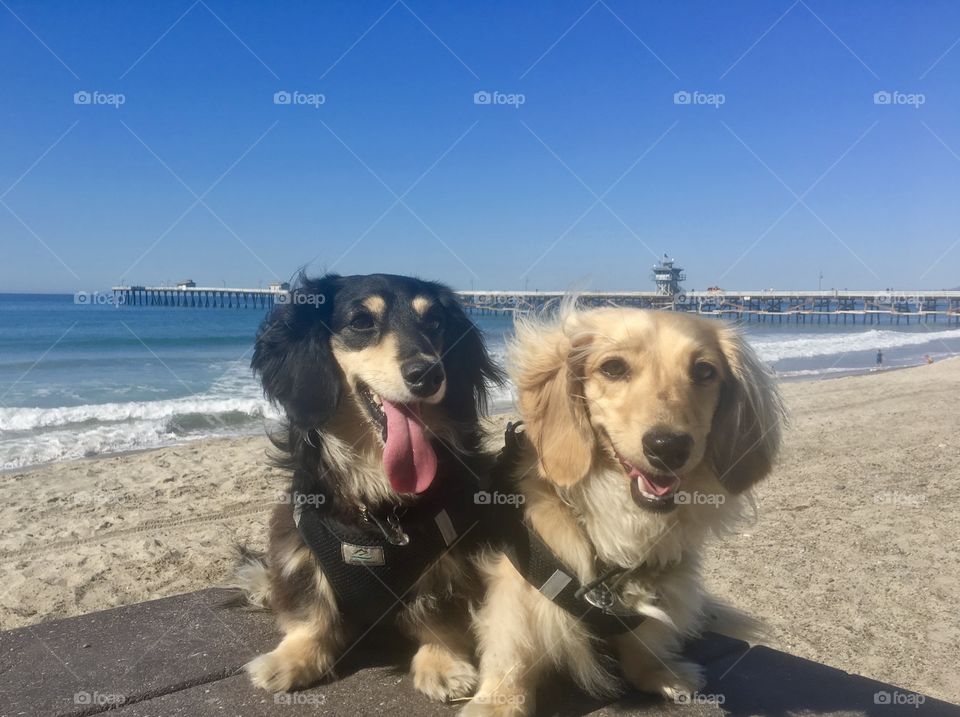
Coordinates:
(745, 437)
(469, 367)
(293, 357)
(547, 368)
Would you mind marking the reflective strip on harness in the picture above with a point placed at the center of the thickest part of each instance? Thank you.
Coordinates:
(555, 584)
(445, 526)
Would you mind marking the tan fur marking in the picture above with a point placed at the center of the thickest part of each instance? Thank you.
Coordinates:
(442, 674)
(375, 304)
(294, 562)
(304, 656)
(375, 365)
(421, 304)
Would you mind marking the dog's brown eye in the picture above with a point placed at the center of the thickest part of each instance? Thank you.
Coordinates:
(361, 322)
(703, 371)
(614, 368)
(431, 323)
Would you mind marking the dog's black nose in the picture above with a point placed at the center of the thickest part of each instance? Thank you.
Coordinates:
(665, 449)
(422, 377)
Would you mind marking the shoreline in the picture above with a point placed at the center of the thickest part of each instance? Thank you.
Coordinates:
(850, 373)
(494, 414)
(33, 467)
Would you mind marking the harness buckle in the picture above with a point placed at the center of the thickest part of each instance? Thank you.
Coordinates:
(601, 597)
(393, 531)
(397, 536)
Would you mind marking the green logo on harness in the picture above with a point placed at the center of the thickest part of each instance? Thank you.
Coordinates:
(362, 554)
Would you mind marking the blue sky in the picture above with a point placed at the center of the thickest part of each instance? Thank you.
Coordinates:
(200, 174)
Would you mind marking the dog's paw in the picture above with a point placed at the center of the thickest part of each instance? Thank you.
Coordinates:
(441, 675)
(280, 671)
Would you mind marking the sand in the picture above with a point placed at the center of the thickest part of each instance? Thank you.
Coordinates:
(853, 560)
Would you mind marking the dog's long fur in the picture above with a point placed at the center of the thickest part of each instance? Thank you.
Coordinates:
(685, 374)
(313, 353)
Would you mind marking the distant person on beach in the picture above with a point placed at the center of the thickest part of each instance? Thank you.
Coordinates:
(879, 357)
(926, 357)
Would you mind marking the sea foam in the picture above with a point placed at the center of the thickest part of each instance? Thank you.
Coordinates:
(793, 346)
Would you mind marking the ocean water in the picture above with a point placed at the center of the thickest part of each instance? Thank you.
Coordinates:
(85, 380)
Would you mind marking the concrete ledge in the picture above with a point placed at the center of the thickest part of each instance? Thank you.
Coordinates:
(183, 656)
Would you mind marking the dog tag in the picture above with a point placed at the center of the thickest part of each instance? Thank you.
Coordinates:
(362, 554)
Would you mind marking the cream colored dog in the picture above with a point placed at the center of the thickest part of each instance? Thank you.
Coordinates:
(645, 430)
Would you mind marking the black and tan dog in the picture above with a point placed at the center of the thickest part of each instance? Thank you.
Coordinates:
(382, 379)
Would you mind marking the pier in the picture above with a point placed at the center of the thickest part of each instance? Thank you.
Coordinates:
(762, 306)
(188, 294)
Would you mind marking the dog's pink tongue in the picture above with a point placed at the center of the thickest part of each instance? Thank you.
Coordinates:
(658, 485)
(408, 457)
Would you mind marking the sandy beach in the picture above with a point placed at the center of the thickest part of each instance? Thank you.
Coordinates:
(852, 560)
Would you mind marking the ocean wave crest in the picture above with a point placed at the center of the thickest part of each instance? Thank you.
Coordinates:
(71, 443)
(780, 348)
(30, 419)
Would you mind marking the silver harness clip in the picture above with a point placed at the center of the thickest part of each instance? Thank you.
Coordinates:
(393, 531)
(601, 596)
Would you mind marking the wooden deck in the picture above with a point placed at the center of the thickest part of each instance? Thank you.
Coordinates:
(183, 656)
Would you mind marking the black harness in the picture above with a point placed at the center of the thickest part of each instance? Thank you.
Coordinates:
(373, 564)
(595, 604)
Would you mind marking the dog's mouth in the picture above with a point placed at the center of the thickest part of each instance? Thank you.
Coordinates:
(408, 457)
(654, 491)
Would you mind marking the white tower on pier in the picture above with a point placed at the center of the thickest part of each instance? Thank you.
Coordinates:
(668, 277)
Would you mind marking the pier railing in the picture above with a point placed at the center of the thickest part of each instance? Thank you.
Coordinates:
(764, 306)
(199, 296)
(800, 307)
